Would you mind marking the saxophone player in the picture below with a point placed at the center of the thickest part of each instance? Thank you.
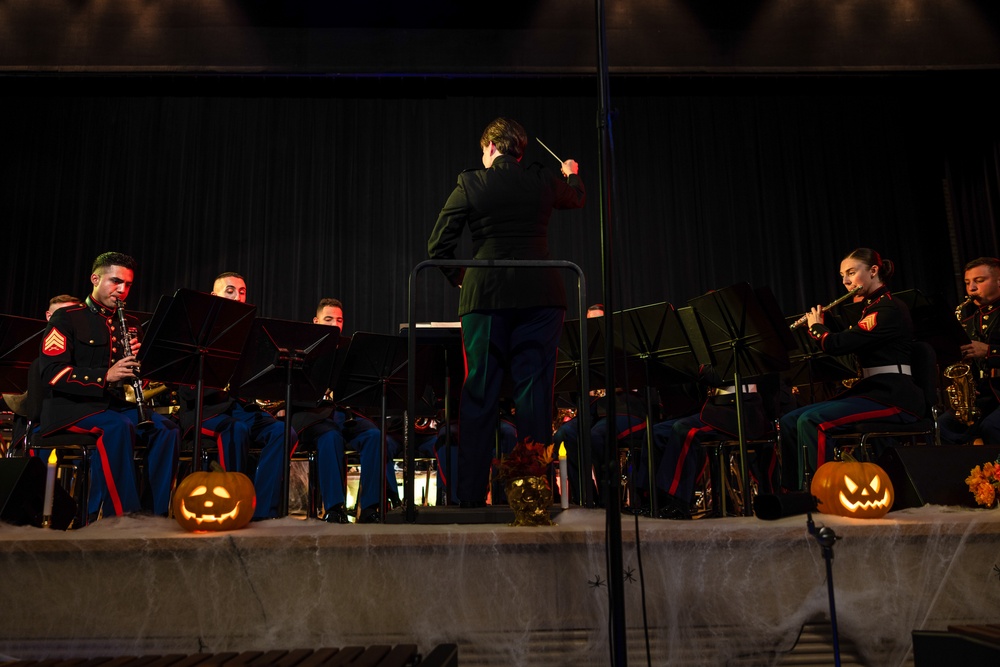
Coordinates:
(982, 355)
(82, 365)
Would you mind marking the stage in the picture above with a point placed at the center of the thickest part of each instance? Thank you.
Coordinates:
(717, 591)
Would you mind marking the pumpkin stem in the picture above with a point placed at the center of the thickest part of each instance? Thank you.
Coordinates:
(844, 456)
(215, 467)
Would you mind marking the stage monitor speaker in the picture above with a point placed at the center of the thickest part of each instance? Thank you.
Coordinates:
(22, 494)
(935, 475)
(944, 649)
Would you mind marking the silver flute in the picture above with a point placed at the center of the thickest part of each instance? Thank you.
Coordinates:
(836, 302)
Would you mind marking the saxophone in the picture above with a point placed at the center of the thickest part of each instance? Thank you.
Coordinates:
(961, 307)
(962, 390)
(962, 393)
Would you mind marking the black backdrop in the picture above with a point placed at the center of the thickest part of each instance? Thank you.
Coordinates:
(311, 188)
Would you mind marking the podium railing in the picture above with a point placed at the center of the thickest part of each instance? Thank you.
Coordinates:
(411, 354)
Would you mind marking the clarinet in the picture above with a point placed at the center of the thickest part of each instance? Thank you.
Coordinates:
(140, 404)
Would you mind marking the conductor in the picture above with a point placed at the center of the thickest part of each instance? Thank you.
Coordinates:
(511, 317)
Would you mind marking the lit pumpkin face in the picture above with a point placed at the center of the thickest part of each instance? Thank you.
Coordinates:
(852, 488)
(206, 501)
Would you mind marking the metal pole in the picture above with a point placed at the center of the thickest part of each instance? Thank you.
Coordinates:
(616, 584)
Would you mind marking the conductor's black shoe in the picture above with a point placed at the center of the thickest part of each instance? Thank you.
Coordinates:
(370, 515)
(336, 514)
(472, 504)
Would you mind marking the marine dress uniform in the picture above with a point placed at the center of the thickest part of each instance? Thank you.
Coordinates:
(881, 341)
(981, 324)
(78, 347)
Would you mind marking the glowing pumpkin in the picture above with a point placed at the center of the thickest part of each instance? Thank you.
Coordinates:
(852, 488)
(206, 501)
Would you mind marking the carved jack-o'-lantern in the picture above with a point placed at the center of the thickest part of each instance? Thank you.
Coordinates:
(214, 501)
(852, 488)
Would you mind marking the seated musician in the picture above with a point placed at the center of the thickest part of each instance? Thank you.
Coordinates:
(17, 403)
(237, 423)
(60, 301)
(630, 418)
(630, 414)
(881, 341)
(978, 316)
(330, 430)
(678, 441)
(87, 395)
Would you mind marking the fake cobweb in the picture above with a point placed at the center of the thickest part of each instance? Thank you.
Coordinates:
(717, 591)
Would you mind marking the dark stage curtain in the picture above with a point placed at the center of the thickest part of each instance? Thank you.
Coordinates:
(973, 200)
(315, 196)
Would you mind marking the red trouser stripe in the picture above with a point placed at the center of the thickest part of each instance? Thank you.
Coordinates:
(209, 433)
(842, 421)
(109, 480)
(678, 469)
(632, 429)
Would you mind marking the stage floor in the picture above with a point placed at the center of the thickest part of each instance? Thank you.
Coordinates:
(736, 591)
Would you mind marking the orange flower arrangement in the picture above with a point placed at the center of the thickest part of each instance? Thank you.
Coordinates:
(984, 482)
(527, 459)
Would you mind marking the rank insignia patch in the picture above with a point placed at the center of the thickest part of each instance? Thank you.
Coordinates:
(868, 323)
(55, 343)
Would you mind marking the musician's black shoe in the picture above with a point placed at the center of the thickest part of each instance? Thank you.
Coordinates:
(672, 507)
(370, 515)
(472, 504)
(633, 511)
(336, 514)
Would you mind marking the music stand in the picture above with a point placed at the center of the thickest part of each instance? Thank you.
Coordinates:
(656, 345)
(143, 317)
(809, 364)
(569, 355)
(195, 339)
(440, 346)
(18, 348)
(294, 361)
(374, 374)
(570, 378)
(745, 335)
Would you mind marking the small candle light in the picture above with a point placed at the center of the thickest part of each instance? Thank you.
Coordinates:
(50, 488)
(563, 478)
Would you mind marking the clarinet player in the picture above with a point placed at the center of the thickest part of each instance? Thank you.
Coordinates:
(84, 366)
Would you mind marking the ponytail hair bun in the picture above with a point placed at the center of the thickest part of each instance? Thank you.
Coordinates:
(886, 267)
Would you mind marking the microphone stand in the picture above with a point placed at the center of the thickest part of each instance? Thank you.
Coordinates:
(618, 641)
(826, 539)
